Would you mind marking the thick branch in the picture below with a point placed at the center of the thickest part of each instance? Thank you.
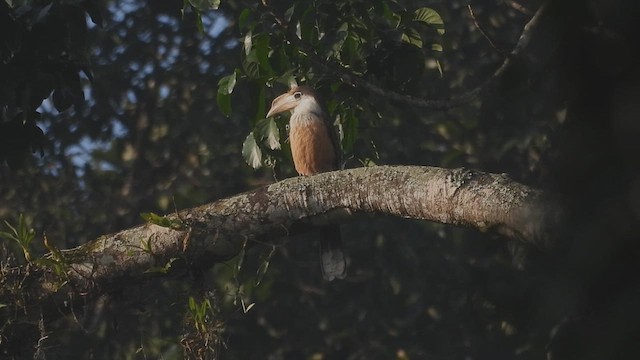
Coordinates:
(215, 231)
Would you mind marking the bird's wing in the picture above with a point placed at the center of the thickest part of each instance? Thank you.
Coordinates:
(335, 141)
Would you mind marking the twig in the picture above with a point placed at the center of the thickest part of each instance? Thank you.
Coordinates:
(486, 36)
(518, 7)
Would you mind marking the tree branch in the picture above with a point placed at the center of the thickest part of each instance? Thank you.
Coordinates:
(216, 231)
(484, 33)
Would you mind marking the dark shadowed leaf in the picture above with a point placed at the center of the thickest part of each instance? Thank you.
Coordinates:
(244, 19)
(261, 42)
(251, 65)
(224, 103)
(349, 130)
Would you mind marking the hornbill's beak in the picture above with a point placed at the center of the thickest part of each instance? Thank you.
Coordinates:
(282, 103)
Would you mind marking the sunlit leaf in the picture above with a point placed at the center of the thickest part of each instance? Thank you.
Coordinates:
(227, 84)
(225, 88)
(247, 43)
(267, 130)
(299, 30)
(246, 309)
(203, 5)
(412, 36)
(429, 17)
(251, 152)
(159, 220)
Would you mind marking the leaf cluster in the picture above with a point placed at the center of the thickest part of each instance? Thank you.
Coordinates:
(43, 50)
(312, 42)
(21, 234)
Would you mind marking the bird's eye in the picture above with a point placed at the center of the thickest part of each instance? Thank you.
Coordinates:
(297, 95)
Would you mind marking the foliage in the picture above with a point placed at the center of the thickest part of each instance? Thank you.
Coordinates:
(163, 221)
(43, 50)
(205, 342)
(22, 235)
(361, 38)
(177, 88)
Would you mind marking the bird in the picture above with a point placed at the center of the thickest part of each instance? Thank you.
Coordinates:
(314, 149)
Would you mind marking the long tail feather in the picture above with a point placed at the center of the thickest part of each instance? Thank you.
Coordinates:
(332, 259)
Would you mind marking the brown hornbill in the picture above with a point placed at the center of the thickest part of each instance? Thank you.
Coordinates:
(314, 149)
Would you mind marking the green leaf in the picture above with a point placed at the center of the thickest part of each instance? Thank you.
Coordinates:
(225, 88)
(199, 24)
(251, 152)
(287, 78)
(243, 18)
(156, 219)
(248, 42)
(224, 103)
(227, 84)
(412, 36)
(261, 42)
(162, 221)
(8, 236)
(161, 269)
(436, 47)
(439, 67)
(264, 266)
(289, 13)
(251, 65)
(267, 130)
(273, 135)
(203, 5)
(429, 17)
(341, 35)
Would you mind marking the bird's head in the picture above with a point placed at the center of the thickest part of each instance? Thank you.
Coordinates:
(299, 98)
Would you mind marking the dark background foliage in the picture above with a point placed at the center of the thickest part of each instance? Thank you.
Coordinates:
(145, 106)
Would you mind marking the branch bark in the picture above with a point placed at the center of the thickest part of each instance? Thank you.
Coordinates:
(212, 232)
